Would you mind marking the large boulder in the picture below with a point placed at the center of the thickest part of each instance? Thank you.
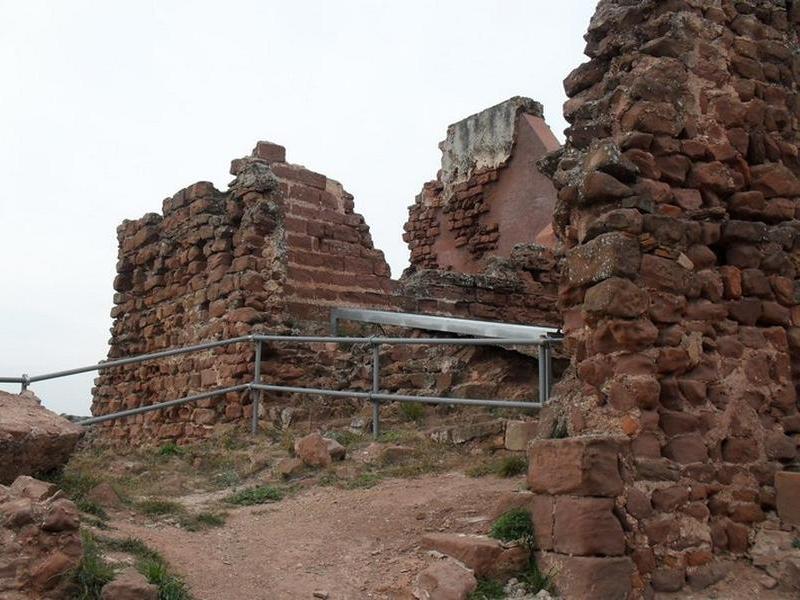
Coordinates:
(32, 439)
(40, 542)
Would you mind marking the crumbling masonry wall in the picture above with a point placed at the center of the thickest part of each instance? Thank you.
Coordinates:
(488, 196)
(274, 254)
(677, 202)
(215, 265)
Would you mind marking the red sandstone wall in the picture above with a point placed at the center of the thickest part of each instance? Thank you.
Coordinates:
(278, 247)
(466, 216)
(678, 204)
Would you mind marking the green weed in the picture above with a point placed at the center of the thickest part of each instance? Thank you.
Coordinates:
(93, 572)
(488, 589)
(257, 495)
(159, 508)
(513, 525)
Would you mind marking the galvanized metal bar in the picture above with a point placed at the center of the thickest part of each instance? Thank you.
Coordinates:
(404, 341)
(334, 324)
(162, 405)
(447, 324)
(399, 397)
(376, 405)
(12, 380)
(141, 358)
(549, 352)
(26, 381)
(542, 374)
(255, 394)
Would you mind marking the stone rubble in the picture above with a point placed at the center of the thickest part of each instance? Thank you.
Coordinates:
(33, 440)
(40, 542)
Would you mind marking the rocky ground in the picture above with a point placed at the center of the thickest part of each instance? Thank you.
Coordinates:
(326, 512)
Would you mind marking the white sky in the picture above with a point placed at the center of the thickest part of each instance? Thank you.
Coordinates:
(107, 107)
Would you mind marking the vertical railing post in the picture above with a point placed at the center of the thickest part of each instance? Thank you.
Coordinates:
(549, 350)
(542, 373)
(376, 405)
(25, 383)
(255, 395)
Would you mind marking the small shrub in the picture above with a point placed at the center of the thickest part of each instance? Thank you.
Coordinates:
(227, 478)
(170, 587)
(328, 479)
(508, 466)
(152, 565)
(132, 546)
(365, 480)
(257, 495)
(93, 572)
(559, 431)
(513, 525)
(345, 437)
(171, 449)
(412, 411)
(158, 508)
(796, 543)
(488, 589)
(535, 581)
(91, 508)
(511, 466)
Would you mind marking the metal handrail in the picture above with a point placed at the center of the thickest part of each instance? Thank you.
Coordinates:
(256, 387)
(484, 329)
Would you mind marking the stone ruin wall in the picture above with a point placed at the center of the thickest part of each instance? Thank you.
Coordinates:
(274, 254)
(678, 203)
(488, 195)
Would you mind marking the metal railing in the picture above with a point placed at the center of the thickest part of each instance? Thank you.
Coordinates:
(374, 395)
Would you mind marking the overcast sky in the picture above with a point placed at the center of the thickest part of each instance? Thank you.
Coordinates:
(107, 107)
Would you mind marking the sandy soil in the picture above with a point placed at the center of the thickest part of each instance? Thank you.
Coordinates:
(352, 544)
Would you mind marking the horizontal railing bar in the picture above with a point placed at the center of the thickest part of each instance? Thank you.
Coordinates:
(390, 341)
(440, 323)
(386, 341)
(140, 358)
(177, 402)
(397, 397)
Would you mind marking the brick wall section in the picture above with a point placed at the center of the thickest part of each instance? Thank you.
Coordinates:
(487, 197)
(277, 248)
(678, 197)
(462, 214)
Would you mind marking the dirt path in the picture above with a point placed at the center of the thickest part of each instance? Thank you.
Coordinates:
(353, 544)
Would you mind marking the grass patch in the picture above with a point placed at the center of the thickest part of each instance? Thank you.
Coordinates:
(202, 521)
(345, 438)
(170, 587)
(77, 485)
(535, 581)
(487, 589)
(513, 525)
(159, 508)
(412, 411)
(511, 466)
(394, 436)
(363, 481)
(507, 466)
(257, 495)
(93, 572)
(152, 565)
(171, 449)
(796, 543)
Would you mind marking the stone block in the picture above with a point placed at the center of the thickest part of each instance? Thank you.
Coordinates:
(519, 433)
(587, 527)
(589, 577)
(584, 466)
(445, 580)
(787, 490)
(487, 557)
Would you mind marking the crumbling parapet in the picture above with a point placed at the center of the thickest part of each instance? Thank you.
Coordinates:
(678, 196)
(279, 248)
(487, 198)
